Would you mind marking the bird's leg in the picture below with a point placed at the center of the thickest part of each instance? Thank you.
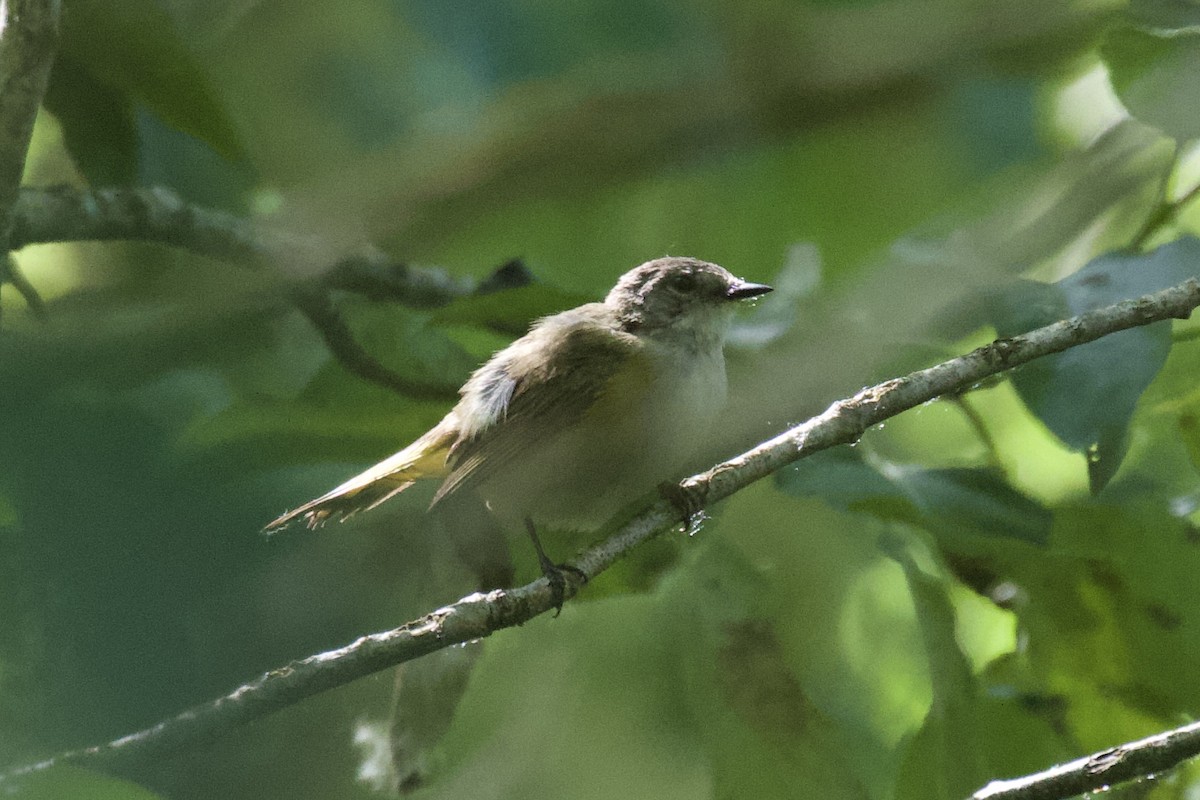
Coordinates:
(553, 572)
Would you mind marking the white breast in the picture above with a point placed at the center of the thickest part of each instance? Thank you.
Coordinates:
(600, 466)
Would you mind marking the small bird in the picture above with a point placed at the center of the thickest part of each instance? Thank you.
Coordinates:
(589, 411)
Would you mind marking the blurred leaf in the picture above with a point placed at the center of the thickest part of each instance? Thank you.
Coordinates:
(739, 671)
(948, 502)
(598, 668)
(998, 114)
(510, 310)
(405, 342)
(772, 737)
(838, 608)
(1165, 14)
(775, 314)
(173, 157)
(134, 47)
(1189, 430)
(1104, 457)
(840, 477)
(977, 500)
(63, 782)
(97, 123)
(428, 691)
(1155, 76)
(947, 759)
(277, 433)
(8, 512)
(1087, 394)
(1119, 581)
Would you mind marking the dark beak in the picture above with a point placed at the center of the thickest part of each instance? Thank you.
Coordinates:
(740, 290)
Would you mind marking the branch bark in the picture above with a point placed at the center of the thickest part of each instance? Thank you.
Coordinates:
(480, 615)
(28, 40)
(159, 215)
(1101, 770)
(156, 214)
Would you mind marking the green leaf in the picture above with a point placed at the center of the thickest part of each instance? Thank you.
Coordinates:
(946, 759)
(1112, 608)
(1165, 14)
(605, 670)
(840, 611)
(134, 47)
(840, 477)
(978, 500)
(510, 310)
(1155, 74)
(1087, 395)
(767, 727)
(1189, 430)
(947, 502)
(64, 781)
(97, 122)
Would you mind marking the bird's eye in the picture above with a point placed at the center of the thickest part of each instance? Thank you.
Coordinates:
(683, 282)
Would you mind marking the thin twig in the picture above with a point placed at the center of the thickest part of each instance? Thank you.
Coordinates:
(480, 615)
(979, 426)
(10, 272)
(317, 306)
(1163, 213)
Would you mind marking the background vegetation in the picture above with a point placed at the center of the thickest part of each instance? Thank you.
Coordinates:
(991, 584)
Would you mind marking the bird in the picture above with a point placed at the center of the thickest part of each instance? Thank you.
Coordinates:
(587, 412)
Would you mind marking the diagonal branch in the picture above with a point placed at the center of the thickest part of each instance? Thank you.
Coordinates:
(480, 615)
(159, 215)
(1100, 770)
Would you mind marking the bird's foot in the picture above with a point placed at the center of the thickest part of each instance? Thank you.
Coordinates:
(555, 573)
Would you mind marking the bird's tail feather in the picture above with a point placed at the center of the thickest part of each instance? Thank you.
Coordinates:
(424, 458)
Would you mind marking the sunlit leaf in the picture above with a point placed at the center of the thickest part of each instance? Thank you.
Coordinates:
(62, 782)
(947, 758)
(1152, 72)
(1119, 581)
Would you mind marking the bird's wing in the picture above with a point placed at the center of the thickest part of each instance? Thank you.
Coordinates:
(537, 391)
